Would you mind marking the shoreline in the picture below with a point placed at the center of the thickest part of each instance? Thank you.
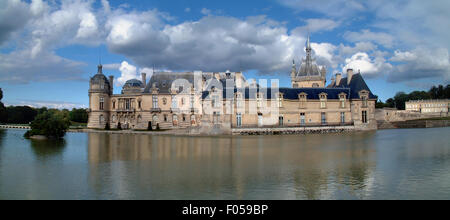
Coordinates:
(262, 131)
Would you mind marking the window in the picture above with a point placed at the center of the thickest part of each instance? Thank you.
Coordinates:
(259, 100)
(102, 103)
(238, 120)
(323, 100)
(364, 101)
(342, 101)
(280, 100)
(239, 100)
(127, 104)
(216, 117)
(101, 119)
(155, 101)
(342, 117)
(155, 119)
(174, 101)
(302, 118)
(184, 118)
(215, 101)
(139, 104)
(302, 98)
(175, 120)
(114, 104)
(192, 119)
(165, 118)
(102, 85)
(364, 116)
(280, 120)
(324, 118)
(192, 101)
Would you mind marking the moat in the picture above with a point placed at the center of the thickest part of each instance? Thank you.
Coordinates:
(382, 164)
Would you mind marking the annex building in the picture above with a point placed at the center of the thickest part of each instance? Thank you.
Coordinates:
(226, 100)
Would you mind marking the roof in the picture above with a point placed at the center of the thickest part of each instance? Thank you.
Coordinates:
(163, 80)
(133, 83)
(357, 84)
(288, 93)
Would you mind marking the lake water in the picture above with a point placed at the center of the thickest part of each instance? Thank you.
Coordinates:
(384, 164)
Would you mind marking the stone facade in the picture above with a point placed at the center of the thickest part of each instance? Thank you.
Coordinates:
(218, 102)
(428, 106)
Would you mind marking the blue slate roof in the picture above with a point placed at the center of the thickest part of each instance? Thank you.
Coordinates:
(357, 84)
(288, 93)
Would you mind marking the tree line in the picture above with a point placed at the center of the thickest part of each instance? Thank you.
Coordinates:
(398, 101)
(26, 114)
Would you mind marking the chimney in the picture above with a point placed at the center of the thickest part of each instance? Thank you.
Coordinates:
(111, 83)
(349, 75)
(144, 79)
(338, 78)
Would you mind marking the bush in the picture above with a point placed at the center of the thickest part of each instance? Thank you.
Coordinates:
(49, 125)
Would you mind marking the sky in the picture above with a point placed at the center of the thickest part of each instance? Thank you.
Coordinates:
(49, 49)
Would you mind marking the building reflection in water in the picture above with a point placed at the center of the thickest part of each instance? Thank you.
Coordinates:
(131, 166)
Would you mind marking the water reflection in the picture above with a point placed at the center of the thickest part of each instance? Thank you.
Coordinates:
(292, 167)
(48, 149)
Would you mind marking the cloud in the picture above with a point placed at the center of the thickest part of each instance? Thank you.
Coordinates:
(24, 67)
(187, 10)
(325, 54)
(12, 9)
(205, 11)
(370, 67)
(421, 63)
(380, 38)
(48, 104)
(335, 8)
(129, 71)
(213, 43)
(319, 25)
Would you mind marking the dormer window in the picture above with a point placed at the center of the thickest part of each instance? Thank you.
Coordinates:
(302, 98)
(323, 100)
(280, 100)
(342, 100)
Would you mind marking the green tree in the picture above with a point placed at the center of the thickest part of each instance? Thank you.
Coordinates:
(79, 115)
(3, 112)
(49, 125)
(20, 114)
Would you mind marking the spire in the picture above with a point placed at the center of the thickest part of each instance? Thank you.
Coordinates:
(99, 69)
(308, 45)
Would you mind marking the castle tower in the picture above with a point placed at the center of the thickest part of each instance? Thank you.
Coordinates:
(309, 73)
(100, 91)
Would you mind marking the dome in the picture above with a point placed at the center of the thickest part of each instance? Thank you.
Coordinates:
(99, 76)
(133, 83)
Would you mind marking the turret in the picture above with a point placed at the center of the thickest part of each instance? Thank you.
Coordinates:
(100, 89)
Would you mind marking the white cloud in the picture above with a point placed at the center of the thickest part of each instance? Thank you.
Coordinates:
(48, 104)
(421, 62)
(187, 10)
(335, 8)
(129, 71)
(325, 51)
(368, 66)
(14, 15)
(380, 38)
(319, 25)
(205, 11)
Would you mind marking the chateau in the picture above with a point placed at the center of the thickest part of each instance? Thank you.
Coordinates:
(224, 101)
